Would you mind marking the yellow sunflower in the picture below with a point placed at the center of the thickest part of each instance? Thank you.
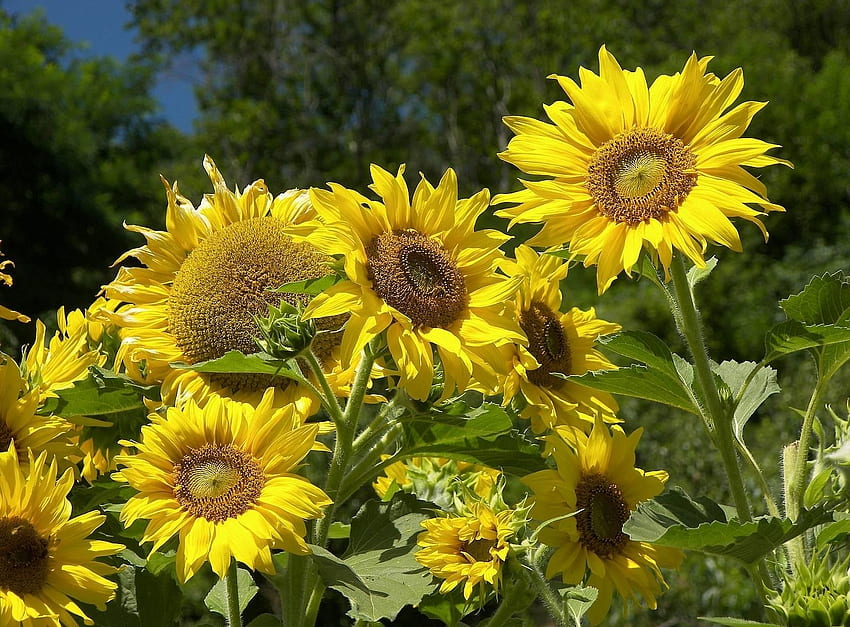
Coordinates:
(47, 562)
(596, 478)
(204, 280)
(468, 549)
(65, 359)
(557, 342)
(431, 477)
(21, 426)
(417, 270)
(222, 477)
(636, 166)
(6, 279)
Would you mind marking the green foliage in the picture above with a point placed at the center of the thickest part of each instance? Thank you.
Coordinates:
(378, 573)
(216, 600)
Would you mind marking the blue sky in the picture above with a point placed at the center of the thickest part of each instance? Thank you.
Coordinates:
(101, 24)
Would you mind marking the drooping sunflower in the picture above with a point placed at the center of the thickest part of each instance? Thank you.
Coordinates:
(634, 166)
(557, 342)
(223, 478)
(596, 477)
(22, 426)
(47, 562)
(417, 270)
(206, 278)
(6, 279)
(468, 549)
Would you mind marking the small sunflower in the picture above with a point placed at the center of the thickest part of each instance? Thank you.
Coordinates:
(437, 479)
(22, 426)
(596, 480)
(417, 270)
(562, 343)
(633, 166)
(222, 477)
(65, 359)
(47, 562)
(468, 549)
(6, 279)
(206, 278)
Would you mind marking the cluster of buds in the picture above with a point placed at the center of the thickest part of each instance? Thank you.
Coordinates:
(283, 333)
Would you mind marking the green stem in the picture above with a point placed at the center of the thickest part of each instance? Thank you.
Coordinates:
(772, 508)
(550, 598)
(367, 468)
(329, 399)
(720, 418)
(798, 479)
(234, 616)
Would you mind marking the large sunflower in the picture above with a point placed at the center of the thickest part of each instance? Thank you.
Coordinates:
(597, 482)
(222, 477)
(557, 342)
(6, 279)
(205, 279)
(47, 562)
(633, 166)
(417, 270)
(468, 549)
(22, 426)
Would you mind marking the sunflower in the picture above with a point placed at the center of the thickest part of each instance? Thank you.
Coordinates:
(417, 270)
(21, 426)
(562, 343)
(65, 359)
(437, 479)
(634, 166)
(468, 549)
(207, 277)
(6, 279)
(47, 562)
(597, 482)
(222, 477)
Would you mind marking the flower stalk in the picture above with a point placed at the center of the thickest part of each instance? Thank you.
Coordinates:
(234, 615)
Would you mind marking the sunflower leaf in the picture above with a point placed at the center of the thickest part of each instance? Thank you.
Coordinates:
(753, 384)
(657, 378)
(675, 520)
(792, 336)
(142, 598)
(216, 599)
(485, 435)
(577, 601)
(313, 287)
(101, 393)
(236, 362)
(697, 274)
(378, 573)
(823, 301)
(734, 622)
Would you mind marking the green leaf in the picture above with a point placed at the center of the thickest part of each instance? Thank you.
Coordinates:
(485, 435)
(142, 598)
(216, 599)
(834, 531)
(577, 601)
(236, 362)
(675, 520)
(101, 393)
(761, 383)
(449, 608)
(697, 274)
(378, 573)
(266, 620)
(822, 301)
(658, 379)
(792, 336)
(339, 531)
(835, 355)
(312, 287)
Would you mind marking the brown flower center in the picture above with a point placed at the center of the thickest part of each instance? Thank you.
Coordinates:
(223, 284)
(603, 513)
(24, 557)
(217, 481)
(640, 175)
(548, 344)
(416, 275)
(477, 550)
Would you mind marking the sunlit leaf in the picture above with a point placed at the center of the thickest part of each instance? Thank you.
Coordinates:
(216, 599)
(822, 301)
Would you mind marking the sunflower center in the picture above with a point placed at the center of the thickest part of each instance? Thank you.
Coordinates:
(224, 283)
(603, 513)
(640, 175)
(416, 275)
(217, 481)
(478, 550)
(548, 344)
(24, 558)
